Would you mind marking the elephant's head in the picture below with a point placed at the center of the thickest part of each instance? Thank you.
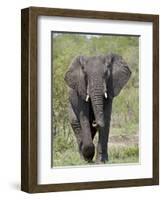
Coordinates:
(98, 78)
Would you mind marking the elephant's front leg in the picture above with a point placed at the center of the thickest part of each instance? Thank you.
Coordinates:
(102, 147)
(88, 149)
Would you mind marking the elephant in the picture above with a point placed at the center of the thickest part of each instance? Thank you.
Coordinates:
(93, 82)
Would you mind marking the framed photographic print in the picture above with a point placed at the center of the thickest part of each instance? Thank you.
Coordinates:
(90, 99)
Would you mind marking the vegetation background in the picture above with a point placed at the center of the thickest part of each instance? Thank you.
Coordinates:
(124, 132)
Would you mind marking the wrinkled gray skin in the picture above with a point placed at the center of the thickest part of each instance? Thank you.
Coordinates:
(94, 82)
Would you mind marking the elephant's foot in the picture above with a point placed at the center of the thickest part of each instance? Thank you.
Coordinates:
(88, 152)
(101, 158)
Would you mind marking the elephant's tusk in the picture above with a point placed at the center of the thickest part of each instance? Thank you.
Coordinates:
(87, 98)
(106, 96)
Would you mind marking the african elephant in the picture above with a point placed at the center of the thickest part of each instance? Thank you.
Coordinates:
(93, 83)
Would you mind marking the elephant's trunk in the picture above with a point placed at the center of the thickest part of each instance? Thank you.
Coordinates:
(97, 98)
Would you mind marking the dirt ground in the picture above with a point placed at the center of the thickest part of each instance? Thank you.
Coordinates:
(122, 140)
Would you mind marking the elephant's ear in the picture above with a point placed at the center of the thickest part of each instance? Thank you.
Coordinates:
(119, 74)
(75, 76)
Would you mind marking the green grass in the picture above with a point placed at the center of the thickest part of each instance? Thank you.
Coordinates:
(124, 154)
(68, 158)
